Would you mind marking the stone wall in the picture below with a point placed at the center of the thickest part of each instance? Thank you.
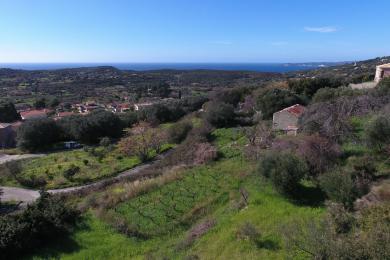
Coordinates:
(283, 120)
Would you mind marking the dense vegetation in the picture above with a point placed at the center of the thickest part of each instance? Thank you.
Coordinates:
(38, 225)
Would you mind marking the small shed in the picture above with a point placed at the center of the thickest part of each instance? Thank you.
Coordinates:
(287, 119)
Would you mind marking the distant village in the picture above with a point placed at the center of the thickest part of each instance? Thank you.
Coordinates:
(8, 130)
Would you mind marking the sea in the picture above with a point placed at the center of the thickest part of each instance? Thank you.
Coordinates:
(259, 67)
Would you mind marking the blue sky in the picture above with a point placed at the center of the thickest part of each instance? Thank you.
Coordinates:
(192, 31)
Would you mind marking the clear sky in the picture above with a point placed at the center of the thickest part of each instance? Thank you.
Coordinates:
(193, 30)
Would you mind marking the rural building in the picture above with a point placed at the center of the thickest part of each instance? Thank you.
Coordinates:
(7, 135)
(287, 119)
(120, 108)
(382, 71)
(141, 106)
(34, 114)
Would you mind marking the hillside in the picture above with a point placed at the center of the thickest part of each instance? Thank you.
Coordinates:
(353, 72)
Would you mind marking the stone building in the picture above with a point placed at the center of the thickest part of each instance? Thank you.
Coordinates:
(7, 136)
(286, 120)
(382, 71)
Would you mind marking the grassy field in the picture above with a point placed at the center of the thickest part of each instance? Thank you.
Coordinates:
(70, 168)
(169, 213)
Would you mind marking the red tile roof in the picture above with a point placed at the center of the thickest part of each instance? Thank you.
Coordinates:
(296, 109)
(33, 113)
(62, 114)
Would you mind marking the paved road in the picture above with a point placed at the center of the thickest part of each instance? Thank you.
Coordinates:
(27, 196)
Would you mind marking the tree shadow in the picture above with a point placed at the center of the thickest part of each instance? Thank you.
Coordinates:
(7, 208)
(308, 196)
(63, 244)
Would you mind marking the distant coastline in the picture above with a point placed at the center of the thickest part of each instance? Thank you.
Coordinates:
(258, 67)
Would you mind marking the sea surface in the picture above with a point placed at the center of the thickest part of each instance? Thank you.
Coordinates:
(260, 67)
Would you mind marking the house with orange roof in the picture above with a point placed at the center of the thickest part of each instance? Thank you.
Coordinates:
(286, 120)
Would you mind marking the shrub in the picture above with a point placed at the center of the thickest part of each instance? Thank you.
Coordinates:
(319, 153)
(178, 132)
(339, 187)
(142, 142)
(220, 114)
(329, 94)
(205, 153)
(331, 119)
(308, 87)
(378, 132)
(248, 231)
(69, 173)
(285, 170)
(40, 223)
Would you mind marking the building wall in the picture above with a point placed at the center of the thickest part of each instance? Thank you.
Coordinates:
(381, 73)
(283, 119)
(7, 137)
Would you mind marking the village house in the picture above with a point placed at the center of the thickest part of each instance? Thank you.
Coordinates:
(140, 106)
(382, 71)
(120, 108)
(34, 114)
(286, 120)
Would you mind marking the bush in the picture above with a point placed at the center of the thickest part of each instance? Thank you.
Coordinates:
(8, 112)
(309, 87)
(105, 142)
(204, 153)
(339, 187)
(220, 114)
(40, 223)
(329, 94)
(332, 119)
(378, 132)
(248, 231)
(285, 170)
(273, 100)
(142, 142)
(178, 132)
(129, 118)
(38, 134)
(90, 128)
(69, 173)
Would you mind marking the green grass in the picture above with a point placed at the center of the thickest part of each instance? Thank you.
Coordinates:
(92, 166)
(267, 210)
(168, 212)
